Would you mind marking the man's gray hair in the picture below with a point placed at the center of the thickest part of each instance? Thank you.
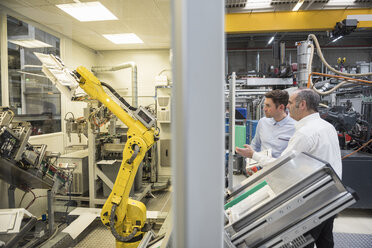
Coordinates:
(311, 97)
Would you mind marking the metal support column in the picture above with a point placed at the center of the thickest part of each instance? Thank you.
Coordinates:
(4, 59)
(92, 166)
(51, 211)
(11, 198)
(231, 130)
(198, 122)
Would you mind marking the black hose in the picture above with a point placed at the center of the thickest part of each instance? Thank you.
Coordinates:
(113, 230)
(118, 96)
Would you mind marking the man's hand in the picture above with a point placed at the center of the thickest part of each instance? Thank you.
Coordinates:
(245, 152)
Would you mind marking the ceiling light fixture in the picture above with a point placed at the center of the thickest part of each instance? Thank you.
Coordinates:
(340, 2)
(298, 5)
(257, 4)
(88, 11)
(127, 38)
(271, 40)
(337, 38)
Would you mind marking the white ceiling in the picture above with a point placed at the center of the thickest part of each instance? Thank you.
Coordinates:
(148, 19)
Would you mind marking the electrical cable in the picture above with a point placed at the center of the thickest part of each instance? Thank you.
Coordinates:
(113, 230)
(20, 203)
(73, 117)
(320, 54)
(33, 200)
(121, 99)
(360, 148)
(323, 105)
(352, 80)
(309, 65)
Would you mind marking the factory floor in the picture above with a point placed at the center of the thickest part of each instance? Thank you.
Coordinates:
(100, 236)
(352, 227)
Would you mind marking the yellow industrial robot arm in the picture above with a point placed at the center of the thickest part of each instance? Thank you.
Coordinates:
(125, 216)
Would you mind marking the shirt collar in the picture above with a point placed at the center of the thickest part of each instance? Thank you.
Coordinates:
(281, 122)
(307, 119)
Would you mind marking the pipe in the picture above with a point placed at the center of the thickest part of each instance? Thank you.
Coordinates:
(133, 66)
(335, 76)
(347, 80)
(320, 54)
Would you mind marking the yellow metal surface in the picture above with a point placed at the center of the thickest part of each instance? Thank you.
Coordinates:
(313, 20)
(129, 214)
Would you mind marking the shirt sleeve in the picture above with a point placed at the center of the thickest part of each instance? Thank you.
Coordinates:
(256, 141)
(299, 142)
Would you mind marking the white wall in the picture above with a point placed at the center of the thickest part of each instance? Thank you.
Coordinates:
(149, 64)
(73, 55)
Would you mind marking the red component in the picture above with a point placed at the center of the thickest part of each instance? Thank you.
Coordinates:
(347, 137)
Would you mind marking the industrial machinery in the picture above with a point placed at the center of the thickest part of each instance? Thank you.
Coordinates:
(339, 89)
(279, 205)
(28, 166)
(124, 216)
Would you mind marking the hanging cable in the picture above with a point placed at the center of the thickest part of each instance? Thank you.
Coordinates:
(347, 80)
(360, 148)
(118, 96)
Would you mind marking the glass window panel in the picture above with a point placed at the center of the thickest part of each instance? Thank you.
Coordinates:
(32, 96)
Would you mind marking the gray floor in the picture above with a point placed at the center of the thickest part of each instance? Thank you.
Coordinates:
(354, 221)
(347, 240)
(100, 236)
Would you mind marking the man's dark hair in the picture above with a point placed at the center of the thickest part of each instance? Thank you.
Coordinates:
(311, 97)
(278, 97)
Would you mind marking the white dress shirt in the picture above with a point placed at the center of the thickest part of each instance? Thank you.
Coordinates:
(273, 135)
(316, 137)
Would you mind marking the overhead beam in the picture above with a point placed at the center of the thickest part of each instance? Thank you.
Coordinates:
(289, 21)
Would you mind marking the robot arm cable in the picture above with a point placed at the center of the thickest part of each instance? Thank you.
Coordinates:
(118, 96)
(113, 230)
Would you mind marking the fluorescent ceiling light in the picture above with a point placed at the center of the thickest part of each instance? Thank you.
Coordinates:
(257, 4)
(340, 2)
(30, 43)
(271, 40)
(298, 5)
(128, 38)
(88, 12)
(337, 38)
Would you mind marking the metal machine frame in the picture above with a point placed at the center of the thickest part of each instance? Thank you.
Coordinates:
(306, 193)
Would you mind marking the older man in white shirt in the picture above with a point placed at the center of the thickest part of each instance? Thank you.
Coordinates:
(316, 137)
